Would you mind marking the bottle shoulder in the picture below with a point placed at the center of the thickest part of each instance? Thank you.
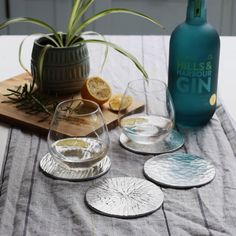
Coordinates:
(195, 32)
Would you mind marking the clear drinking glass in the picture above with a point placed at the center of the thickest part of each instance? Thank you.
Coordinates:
(78, 136)
(154, 118)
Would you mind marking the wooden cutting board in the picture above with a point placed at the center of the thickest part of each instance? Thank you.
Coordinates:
(16, 117)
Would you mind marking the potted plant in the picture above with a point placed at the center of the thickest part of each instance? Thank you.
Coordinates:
(60, 61)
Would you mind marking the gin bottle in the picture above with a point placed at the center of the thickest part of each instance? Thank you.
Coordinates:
(193, 67)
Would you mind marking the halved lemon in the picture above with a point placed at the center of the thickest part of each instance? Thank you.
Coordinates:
(96, 89)
(115, 102)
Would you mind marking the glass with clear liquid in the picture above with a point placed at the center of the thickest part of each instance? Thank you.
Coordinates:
(154, 120)
(79, 151)
(78, 136)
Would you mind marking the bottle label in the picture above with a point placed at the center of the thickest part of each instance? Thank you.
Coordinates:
(195, 77)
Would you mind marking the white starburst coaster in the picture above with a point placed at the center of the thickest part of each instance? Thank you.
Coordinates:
(52, 168)
(124, 197)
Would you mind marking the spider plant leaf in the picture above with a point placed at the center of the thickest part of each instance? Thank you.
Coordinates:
(82, 10)
(110, 11)
(60, 34)
(32, 21)
(106, 46)
(50, 38)
(19, 56)
(41, 62)
(76, 5)
(21, 45)
(78, 11)
(120, 50)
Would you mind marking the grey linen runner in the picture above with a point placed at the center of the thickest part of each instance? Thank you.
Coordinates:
(34, 204)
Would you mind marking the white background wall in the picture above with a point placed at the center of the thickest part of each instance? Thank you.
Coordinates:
(221, 14)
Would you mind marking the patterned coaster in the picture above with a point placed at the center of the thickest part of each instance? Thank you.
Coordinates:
(54, 169)
(172, 142)
(179, 170)
(124, 197)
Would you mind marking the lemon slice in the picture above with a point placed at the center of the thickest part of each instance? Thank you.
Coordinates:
(115, 102)
(72, 142)
(96, 89)
(133, 121)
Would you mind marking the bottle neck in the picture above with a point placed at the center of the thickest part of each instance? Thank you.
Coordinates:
(196, 12)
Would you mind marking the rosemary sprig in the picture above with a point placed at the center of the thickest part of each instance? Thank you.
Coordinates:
(29, 99)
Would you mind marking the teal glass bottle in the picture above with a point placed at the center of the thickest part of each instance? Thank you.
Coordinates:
(193, 67)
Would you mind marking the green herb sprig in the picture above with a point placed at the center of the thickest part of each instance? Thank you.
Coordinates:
(29, 99)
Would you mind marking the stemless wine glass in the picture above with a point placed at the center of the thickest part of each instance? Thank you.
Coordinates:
(78, 140)
(148, 126)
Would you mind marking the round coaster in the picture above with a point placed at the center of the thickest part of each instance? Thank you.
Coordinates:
(54, 169)
(172, 142)
(179, 170)
(124, 197)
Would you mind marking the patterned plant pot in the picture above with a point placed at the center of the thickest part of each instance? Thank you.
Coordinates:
(64, 69)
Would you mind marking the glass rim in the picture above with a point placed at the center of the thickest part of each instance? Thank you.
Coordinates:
(146, 82)
(97, 107)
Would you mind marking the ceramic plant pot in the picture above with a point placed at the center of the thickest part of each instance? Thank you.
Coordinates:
(64, 69)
